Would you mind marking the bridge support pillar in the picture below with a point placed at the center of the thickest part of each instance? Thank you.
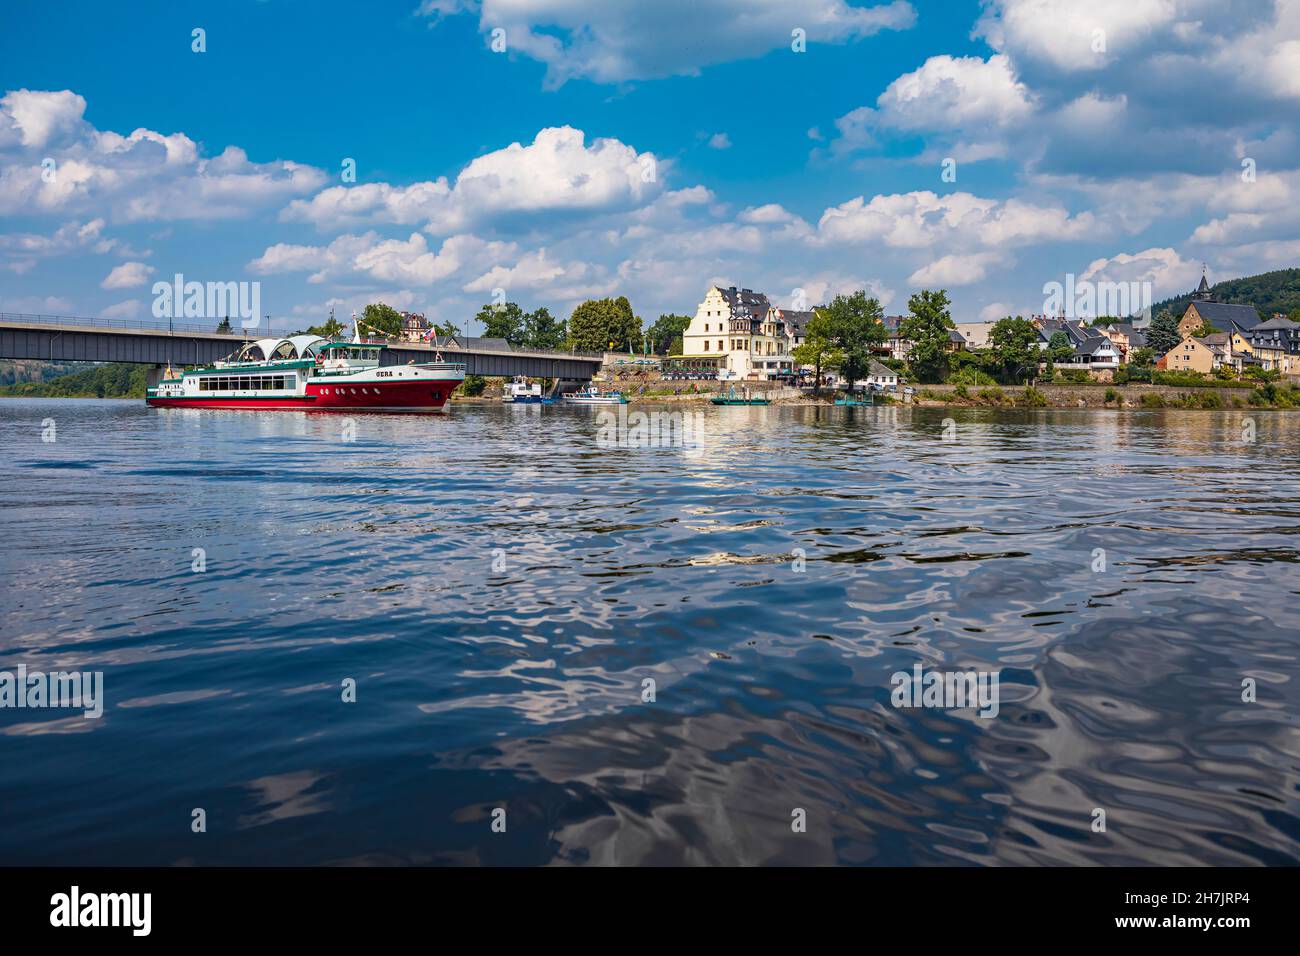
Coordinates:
(152, 376)
(563, 385)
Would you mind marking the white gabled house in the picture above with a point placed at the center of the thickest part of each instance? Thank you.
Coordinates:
(738, 333)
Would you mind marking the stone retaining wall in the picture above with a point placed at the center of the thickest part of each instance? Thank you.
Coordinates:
(1095, 395)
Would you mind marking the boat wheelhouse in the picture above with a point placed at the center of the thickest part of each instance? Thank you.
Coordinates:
(313, 373)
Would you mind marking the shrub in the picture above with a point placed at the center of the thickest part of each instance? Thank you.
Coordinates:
(1111, 396)
(991, 396)
(473, 385)
(1183, 379)
(1211, 400)
(960, 392)
(1033, 398)
(971, 375)
(1153, 401)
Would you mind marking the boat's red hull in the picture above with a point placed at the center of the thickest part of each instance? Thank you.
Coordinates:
(415, 396)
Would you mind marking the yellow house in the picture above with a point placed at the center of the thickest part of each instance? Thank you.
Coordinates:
(1276, 358)
(1189, 355)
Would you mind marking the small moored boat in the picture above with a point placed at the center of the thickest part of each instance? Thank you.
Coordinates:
(520, 392)
(591, 395)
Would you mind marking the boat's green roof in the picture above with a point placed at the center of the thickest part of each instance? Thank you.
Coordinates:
(350, 345)
(254, 368)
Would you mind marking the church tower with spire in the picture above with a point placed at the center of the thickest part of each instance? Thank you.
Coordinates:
(1203, 293)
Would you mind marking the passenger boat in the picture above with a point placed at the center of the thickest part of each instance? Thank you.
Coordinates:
(312, 373)
(519, 392)
(591, 395)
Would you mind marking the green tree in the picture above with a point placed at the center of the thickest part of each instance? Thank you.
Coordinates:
(927, 327)
(598, 325)
(1142, 357)
(330, 329)
(543, 330)
(818, 348)
(1059, 347)
(1163, 333)
(380, 319)
(504, 321)
(224, 325)
(856, 325)
(666, 334)
(1015, 346)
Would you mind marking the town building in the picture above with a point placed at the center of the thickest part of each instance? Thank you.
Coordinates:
(415, 327)
(740, 334)
(1092, 351)
(880, 376)
(1230, 349)
(1190, 355)
(1126, 337)
(976, 334)
(1206, 309)
(897, 347)
(1276, 343)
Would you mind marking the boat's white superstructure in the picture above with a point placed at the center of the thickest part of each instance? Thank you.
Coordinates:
(521, 392)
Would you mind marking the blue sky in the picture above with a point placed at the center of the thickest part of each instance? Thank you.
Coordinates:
(641, 149)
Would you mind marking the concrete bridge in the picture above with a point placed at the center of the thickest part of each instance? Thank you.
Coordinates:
(59, 338)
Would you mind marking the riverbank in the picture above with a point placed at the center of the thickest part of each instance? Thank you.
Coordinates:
(1045, 396)
(1106, 396)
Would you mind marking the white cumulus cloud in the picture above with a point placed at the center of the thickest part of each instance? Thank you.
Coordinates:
(128, 275)
(617, 40)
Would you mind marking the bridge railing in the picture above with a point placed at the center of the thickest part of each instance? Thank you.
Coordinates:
(146, 325)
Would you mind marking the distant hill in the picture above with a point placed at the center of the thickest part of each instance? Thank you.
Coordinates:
(13, 371)
(114, 380)
(1269, 292)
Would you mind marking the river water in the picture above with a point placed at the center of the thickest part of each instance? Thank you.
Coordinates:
(679, 655)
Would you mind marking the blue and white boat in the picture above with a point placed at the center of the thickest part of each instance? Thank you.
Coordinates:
(591, 395)
(520, 392)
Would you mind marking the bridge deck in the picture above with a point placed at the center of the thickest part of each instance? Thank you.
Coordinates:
(69, 339)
